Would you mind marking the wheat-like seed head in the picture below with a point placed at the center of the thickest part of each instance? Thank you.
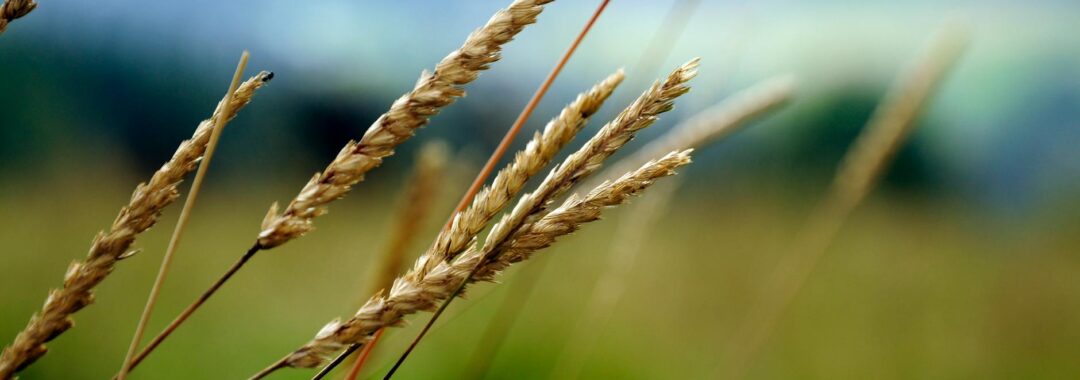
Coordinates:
(576, 211)
(142, 211)
(537, 154)
(642, 113)
(408, 297)
(432, 92)
(13, 9)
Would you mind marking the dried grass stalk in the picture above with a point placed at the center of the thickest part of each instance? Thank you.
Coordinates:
(415, 292)
(142, 211)
(860, 169)
(433, 91)
(462, 231)
(408, 297)
(410, 112)
(182, 220)
(13, 9)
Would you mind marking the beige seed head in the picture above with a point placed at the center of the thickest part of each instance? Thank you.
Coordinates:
(409, 297)
(642, 113)
(433, 92)
(576, 211)
(508, 183)
(709, 125)
(142, 211)
(13, 9)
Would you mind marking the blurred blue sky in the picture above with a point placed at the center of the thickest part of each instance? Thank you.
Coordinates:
(1005, 128)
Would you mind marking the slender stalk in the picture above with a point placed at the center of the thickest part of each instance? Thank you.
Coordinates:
(494, 159)
(268, 370)
(859, 171)
(184, 315)
(185, 215)
(500, 150)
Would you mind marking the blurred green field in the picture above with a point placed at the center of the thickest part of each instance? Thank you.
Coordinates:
(912, 289)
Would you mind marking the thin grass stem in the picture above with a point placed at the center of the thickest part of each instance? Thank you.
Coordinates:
(185, 215)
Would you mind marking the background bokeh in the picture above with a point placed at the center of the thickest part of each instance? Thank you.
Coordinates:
(962, 265)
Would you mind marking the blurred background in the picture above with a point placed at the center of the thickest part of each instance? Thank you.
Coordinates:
(962, 264)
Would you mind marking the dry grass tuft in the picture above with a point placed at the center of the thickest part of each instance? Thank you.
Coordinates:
(13, 9)
(410, 112)
(146, 205)
(414, 292)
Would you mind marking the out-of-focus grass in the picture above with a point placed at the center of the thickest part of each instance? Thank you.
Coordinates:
(912, 289)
